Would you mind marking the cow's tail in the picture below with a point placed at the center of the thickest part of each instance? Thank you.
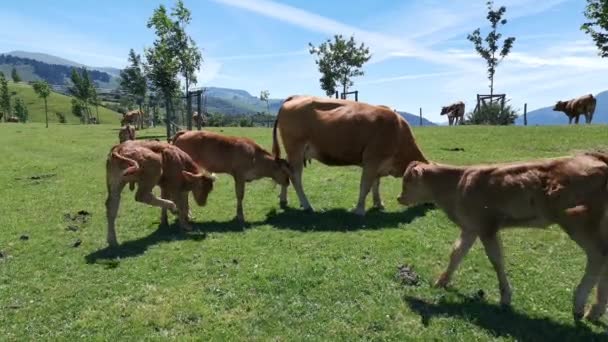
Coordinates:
(592, 105)
(276, 149)
(177, 135)
(133, 165)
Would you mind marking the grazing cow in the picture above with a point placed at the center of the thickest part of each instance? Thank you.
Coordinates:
(240, 157)
(12, 119)
(126, 133)
(342, 132)
(150, 163)
(132, 117)
(481, 200)
(584, 105)
(455, 113)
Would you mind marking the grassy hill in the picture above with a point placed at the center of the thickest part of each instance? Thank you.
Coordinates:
(57, 103)
(288, 275)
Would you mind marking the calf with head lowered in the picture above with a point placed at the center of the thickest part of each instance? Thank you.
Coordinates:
(125, 133)
(151, 163)
(570, 191)
(240, 157)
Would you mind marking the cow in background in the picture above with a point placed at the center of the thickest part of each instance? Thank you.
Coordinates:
(126, 133)
(340, 133)
(133, 117)
(455, 113)
(12, 119)
(584, 105)
(482, 200)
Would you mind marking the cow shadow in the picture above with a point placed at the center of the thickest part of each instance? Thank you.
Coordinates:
(164, 234)
(502, 321)
(151, 137)
(343, 220)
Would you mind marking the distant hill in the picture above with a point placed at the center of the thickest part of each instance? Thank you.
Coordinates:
(414, 120)
(34, 66)
(546, 115)
(57, 103)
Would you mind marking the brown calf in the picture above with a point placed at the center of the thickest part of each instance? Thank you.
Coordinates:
(455, 113)
(341, 133)
(126, 133)
(240, 157)
(150, 163)
(133, 117)
(584, 105)
(12, 119)
(481, 200)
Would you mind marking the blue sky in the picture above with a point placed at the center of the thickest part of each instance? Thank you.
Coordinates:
(421, 57)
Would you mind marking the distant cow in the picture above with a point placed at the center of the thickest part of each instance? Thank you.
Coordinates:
(455, 113)
(150, 163)
(584, 105)
(341, 133)
(199, 119)
(126, 133)
(133, 117)
(240, 157)
(481, 200)
(12, 119)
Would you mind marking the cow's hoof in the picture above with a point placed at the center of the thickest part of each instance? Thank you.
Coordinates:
(309, 210)
(283, 204)
(358, 212)
(186, 227)
(442, 282)
(378, 206)
(577, 316)
(113, 244)
(595, 313)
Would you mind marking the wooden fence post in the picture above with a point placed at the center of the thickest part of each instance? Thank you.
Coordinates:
(420, 116)
(525, 114)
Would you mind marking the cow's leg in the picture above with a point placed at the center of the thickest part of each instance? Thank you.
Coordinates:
(450, 120)
(163, 211)
(181, 199)
(376, 193)
(112, 204)
(493, 248)
(145, 195)
(590, 279)
(239, 187)
(570, 120)
(599, 308)
(283, 197)
(295, 158)
(368, 177)
(576, 118)
(461, 247)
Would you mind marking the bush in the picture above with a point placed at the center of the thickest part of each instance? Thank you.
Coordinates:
(78, 108)
(492, 114)
(21, 110)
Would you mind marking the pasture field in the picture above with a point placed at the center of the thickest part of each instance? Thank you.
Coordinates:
(288, 275)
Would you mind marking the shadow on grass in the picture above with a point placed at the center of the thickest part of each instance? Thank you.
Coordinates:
(151, 137)
(503, 321)
(134, 248)
(343, 220)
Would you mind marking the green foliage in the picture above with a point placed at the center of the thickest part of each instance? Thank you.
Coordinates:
(43, 90)
(61, 117)
(133, 79)
(264, 96)
(597, 24)
(492, 114)
(15, 76)
(488, 53)
(20, 110)
(187, 52)
(79, 109)
(83, 90)
(339, 61)
(5, 98)
(163, 64)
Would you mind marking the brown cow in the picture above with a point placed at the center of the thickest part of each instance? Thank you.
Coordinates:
(481, 200)
(133, 117)
(584, 105)
(12, 119)
(342, 132)
(240, 157)
(455, 113)
(126, 133)
(150, 163)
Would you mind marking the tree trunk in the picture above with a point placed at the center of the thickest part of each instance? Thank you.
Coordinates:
(46, 113)
(97, 112)
(141, 116)
(167, 117)
(188, 105)
(267, 107)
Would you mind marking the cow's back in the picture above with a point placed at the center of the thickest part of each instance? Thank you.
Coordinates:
(341, 132)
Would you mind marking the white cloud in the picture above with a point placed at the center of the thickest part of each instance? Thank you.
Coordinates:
(263, 55)
(408, 77)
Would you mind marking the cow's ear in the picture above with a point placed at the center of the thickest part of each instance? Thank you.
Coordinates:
(189, 176)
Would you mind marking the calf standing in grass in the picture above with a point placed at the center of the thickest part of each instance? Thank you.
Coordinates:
(584, 105)
(126, 132)
(150, 163)
(569, 191)
(240, 157)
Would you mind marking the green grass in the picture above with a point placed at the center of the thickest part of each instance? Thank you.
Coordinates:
(57, 103)
(288, 275)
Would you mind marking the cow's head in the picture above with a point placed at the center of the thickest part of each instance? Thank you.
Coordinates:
(201, 185)
(560, 106)
(444, 110)
(281, 171)
(414, 189)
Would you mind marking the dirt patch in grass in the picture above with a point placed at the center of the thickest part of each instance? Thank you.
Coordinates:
(407, 276)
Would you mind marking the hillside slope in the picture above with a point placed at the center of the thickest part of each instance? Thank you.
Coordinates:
(57, 103)
(546, 115)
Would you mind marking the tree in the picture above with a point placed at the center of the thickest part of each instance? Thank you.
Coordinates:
(133, 80)
(163, 64)
(21, 110)
(339, 62)
(5, 98)
(597, 26)
(81, 89)
(492, 114)
(43, 90)
(15, 76)
(187, 52)
(264, 96)
(495, 17)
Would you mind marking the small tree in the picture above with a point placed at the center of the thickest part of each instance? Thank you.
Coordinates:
(492, 114)
(43, 90)
(21, 110)
(81, 89)
(133, 80)
(15, 76)
(597, 26)
(5, 98)
(495, 17)
(339, 62)
(264, 96)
